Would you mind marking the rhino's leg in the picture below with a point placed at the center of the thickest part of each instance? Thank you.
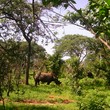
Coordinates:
(48, 82)
(36, 82)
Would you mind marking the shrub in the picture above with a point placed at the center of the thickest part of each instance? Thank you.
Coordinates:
(92, 101)
(91, 83)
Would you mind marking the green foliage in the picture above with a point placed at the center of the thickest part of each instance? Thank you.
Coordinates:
(76, 73)
(75, 68)
(12, 64)
(56, 96)
(89, 83)
(92, 101)
(23, 19)
(95, 17)
(9, 58)
(108, 2)
(101, 17)
(54, 63)
(74, 45)
(29, 107)
(38, 51)
(57, 3)
(45, 96)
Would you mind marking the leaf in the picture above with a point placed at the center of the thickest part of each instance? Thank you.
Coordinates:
(66, 6)
(80, 11)
(73, 1)
(108, 2)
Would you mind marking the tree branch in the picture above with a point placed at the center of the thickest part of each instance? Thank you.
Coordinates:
(89, 26)
(104, 42)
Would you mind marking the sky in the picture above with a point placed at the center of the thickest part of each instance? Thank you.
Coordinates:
(69, 29)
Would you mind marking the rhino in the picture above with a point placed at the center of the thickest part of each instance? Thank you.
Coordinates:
(46, 78)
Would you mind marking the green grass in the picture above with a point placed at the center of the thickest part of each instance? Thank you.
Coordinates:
(53, 97)
(45, 97)
(29, 107)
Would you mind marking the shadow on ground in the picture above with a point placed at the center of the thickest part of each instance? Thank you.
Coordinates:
(28, 107)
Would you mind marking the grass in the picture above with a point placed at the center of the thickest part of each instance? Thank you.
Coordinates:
(53, 97)
(29, 107)
(42, 97)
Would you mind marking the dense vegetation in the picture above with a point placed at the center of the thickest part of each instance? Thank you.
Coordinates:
(79, 90)
(85, 76)
(91, 95)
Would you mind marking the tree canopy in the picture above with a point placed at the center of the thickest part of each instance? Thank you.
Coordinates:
(95, 17)
(20, 19)
(75, 46)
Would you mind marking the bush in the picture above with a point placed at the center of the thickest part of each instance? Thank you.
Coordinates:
(91, 83)
(92, 101)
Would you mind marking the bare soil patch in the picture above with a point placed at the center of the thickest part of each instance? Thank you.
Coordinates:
(51, 102)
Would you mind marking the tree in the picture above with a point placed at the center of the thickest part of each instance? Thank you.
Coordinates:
(98, 61)
(75, 46)
(20, 18)
(9, 59)
(54, 63)
(38, 54)
(95, 18)
(12, 63)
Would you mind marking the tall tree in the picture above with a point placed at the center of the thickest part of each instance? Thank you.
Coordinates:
(20, 18)
(75, 46)
(82, 51)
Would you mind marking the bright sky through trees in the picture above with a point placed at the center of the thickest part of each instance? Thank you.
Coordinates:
(70, 29)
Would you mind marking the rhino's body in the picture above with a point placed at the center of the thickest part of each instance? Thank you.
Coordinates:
(46, 77)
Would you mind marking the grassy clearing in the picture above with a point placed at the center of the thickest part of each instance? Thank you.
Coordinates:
(53, 97)
(39, 107)
(42, 97)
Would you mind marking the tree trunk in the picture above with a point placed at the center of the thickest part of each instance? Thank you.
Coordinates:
(28, 63)
(104, 42)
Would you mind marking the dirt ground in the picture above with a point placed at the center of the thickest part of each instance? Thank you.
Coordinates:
(52, 101)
